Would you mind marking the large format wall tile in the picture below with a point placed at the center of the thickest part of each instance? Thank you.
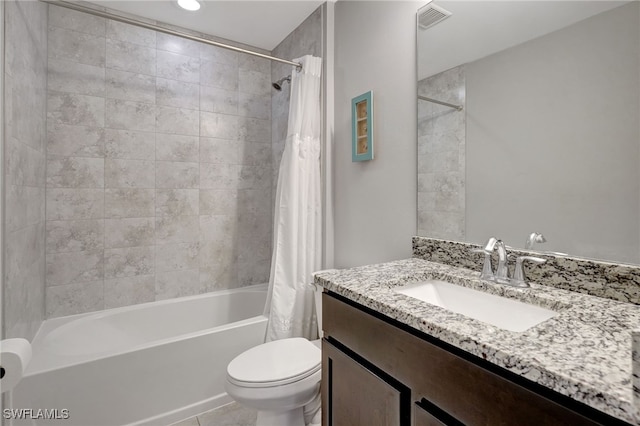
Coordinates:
(159, 164)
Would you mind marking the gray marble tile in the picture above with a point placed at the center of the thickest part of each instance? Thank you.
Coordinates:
(222, 126)
(25, 165)
(67, 108)
(129, 291)
(130, 34)
(174, 284)
(176, 257)
(214, 99)
(71, 299)
(177, 202)
(74, 203)
(177, 229)
(129, 115)
(219, 176)
(129, 232)
(74, 267)
(254, 106)
(74, 235)
(253, 177)
(219, 151)
(232, 414)
(75, 172)
(176, 175)
(129, 144)
(255, 153)
(219, 55)
(254, 272)
(178, 121)
(177, 148)
(75, 141)
(253, 82)
(76, 46)
(178, 94)
(73, 20)
(24, 206)
(129, 262)
(179, 45)
(218, 266)
(218, 227)
(130, 86)
(254, 63)
(218, 202)
(129, 173)
(223, 76)
(74, 77)
(254, 129)
(127, 202)
(178, 67)
(130, 57)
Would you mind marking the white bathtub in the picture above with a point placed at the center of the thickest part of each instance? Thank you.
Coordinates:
(149, 364)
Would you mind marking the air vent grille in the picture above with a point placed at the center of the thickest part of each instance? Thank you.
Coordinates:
(431, 15)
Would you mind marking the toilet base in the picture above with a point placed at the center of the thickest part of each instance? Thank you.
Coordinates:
(293, 417)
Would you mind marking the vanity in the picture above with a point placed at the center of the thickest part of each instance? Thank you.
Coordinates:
(392, 359)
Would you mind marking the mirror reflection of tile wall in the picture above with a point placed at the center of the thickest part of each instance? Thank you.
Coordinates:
(441, 157)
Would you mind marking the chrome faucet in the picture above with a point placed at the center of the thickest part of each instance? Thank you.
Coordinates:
(502, 272)
(534, 237)
(518, 279)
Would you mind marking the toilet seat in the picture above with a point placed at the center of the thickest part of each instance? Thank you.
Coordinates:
(276, 363)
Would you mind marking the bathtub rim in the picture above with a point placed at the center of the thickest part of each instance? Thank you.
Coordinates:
(50, 325)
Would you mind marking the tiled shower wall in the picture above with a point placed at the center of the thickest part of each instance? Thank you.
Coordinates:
(25, 82)
(159, 166)
(306, 39)
(441, 157)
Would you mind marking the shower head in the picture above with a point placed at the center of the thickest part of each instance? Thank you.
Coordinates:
(278, 84)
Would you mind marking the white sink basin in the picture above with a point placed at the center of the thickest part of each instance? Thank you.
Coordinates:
(505, 313)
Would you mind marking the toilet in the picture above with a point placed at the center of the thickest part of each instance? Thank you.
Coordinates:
(279, 379)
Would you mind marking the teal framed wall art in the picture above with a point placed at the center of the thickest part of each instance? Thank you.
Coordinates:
(362, 127)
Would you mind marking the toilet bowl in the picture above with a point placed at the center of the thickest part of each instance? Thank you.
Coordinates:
(279, 378)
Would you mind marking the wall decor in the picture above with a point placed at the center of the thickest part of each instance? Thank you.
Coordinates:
(362, 127)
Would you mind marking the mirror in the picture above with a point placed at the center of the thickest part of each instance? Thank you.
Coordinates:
(548, 135)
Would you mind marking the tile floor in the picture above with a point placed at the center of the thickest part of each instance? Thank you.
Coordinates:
(232, 414)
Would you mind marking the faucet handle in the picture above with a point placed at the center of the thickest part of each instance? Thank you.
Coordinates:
(518, 273)
(487, 272)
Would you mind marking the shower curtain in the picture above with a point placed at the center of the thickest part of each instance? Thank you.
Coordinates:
(297, 222)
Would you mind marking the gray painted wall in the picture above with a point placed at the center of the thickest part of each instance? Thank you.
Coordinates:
(541, 154)
(375, 201)
(25, 79)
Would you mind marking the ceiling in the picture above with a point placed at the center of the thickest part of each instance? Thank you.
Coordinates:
(480, 28)
(262, 24)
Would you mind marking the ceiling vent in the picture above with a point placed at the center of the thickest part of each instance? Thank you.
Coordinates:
(430, 15)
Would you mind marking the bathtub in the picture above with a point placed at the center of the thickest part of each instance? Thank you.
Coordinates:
(149, 364)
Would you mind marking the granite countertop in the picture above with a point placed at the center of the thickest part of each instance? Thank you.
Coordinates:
(584, 352)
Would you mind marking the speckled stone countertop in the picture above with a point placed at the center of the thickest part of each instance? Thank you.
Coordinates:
(584, 352)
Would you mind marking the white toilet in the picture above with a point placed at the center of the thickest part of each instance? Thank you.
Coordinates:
(279, 379)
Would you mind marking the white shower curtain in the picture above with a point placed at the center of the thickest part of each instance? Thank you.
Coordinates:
(297, 236)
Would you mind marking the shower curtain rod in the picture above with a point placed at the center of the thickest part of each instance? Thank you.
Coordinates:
(435, 101)
(85, 9)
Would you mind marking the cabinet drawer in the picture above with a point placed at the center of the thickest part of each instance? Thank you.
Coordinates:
(460, 387)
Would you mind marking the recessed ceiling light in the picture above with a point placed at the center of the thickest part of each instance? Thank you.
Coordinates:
(191, 5)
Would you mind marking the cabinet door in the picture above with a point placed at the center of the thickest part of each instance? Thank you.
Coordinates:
(426, 413)
(355, 395)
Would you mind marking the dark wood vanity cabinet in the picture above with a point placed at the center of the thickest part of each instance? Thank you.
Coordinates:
(378, 372)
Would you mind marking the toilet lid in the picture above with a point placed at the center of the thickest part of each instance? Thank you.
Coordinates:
(275, 363)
